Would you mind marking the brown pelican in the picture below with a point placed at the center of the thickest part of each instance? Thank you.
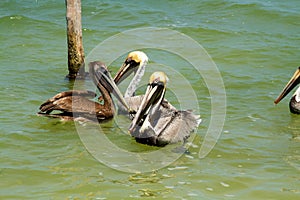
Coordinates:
(157, 122)
(76, 105)
(295, 100)
(135, 62)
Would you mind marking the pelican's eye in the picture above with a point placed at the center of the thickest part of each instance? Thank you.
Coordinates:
(156, 83)
(130, 61)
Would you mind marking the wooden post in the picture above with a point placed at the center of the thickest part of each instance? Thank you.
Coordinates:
(74, 38)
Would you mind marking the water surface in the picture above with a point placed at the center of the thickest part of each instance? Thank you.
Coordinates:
(255, 45)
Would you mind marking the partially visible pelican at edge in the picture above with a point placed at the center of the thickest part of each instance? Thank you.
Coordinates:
(295, 100)
(76, 105)
(157, 122)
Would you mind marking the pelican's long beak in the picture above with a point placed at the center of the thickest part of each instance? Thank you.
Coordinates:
(129, 66)
(100, 75)
(294, 81)
(154, 95)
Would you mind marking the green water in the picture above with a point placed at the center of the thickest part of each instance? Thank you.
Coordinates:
(255, 45)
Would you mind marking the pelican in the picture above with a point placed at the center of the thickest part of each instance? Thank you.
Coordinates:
(157, 122)
(295, 100)
(76, 105)
(135, 62)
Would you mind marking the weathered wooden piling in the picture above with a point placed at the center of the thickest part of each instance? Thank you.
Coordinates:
(74, 39)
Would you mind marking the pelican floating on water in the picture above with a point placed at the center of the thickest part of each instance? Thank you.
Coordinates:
(295, 100)
(134, 63)
(76, 105)
(157, 122)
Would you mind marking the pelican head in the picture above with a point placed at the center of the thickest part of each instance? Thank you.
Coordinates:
(101, 76)
(99, 73)
(135, 62)
(153, 97)
(294, 81)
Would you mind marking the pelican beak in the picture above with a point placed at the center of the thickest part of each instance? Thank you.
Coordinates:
(101, 75)
(155, 93)
(294, 81)
(126, 69)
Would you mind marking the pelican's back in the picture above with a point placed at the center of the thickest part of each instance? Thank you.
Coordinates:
(63, 101)
(175, 125)
(134, 102)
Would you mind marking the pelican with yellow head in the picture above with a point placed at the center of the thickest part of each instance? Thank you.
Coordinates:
(135, 63)
(157, 122)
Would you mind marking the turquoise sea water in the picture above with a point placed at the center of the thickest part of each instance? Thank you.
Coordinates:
(255, 45)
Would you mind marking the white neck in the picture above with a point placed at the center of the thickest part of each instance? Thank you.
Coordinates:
(136, 80)
(297, 94)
